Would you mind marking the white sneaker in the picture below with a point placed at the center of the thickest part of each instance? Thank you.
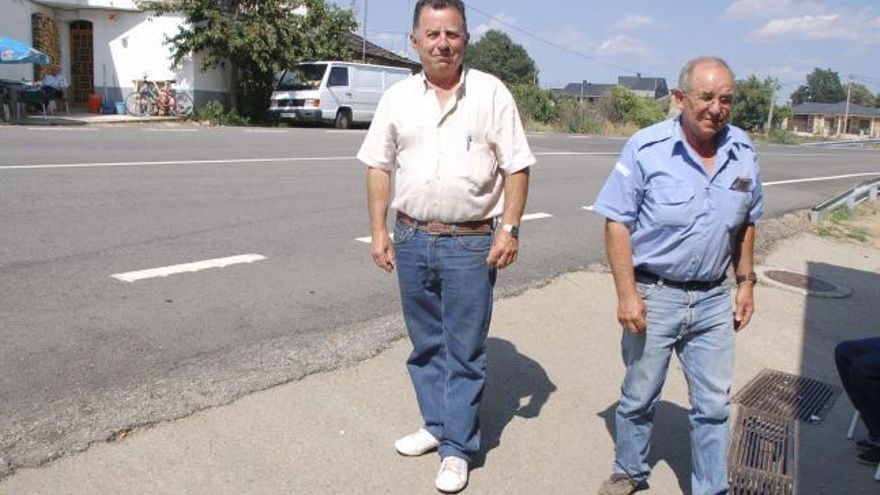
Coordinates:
(416, 443)
(453, 475)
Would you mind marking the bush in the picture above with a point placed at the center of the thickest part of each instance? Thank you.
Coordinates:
(627, 107)
(214, 113)
(781, 136)
(536, 104)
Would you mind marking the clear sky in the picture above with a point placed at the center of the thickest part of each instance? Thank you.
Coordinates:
(596, 41)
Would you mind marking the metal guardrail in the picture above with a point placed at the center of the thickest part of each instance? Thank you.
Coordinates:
(867, 190)
(845, 142)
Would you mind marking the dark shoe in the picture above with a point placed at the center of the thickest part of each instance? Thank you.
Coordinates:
(866, 444)
(619, 484)
(870, 457)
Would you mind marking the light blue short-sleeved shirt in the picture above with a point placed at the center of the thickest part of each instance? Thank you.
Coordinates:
(683, 221)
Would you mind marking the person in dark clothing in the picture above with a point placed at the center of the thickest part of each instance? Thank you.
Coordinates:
(858, 364)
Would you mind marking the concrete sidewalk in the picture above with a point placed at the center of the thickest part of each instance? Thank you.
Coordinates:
(554, 377)
(77, 118)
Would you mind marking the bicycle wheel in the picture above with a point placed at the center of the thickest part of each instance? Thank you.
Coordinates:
(183, 105)
(138, 105)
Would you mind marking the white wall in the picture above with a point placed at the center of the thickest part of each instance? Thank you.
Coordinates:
(15, 22)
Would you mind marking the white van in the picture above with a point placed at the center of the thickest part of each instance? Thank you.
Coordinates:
(332, 92)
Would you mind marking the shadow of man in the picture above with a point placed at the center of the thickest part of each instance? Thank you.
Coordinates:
(670, 440)
(511, 377)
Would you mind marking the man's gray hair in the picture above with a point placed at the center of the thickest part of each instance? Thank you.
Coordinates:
(438, 5)
(687, 72)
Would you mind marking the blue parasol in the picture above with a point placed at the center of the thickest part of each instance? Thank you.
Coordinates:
(17, 52)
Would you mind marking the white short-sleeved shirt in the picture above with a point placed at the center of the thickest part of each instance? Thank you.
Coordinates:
(449, 163)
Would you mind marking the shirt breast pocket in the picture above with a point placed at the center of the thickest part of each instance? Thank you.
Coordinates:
(479, 167)
(736, 205)
(672, 205)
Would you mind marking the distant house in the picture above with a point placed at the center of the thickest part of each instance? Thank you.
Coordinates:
(648, 87)
(831, 119)
(375, 54)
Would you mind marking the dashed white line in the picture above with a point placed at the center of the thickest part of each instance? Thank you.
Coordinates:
(157, 129)
(818, 179)
(588, 207)
(535, 216)
(187, 267)
(369, 240)
(62, 129)
(179, 162)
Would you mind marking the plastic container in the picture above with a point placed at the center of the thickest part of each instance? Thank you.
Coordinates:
(108, 108)
(94, 103)
(120, 108)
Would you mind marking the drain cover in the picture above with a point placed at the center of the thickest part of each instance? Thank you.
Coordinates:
(762, 457)
(802, 283)
(789, 396)
(799, 280)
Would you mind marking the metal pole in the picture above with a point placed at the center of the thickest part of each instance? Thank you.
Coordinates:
(364, 49)
(770, 113)
(846, 112)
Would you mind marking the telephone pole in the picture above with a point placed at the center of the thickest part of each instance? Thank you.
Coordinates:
(770, 112)
(846, 112)
(364, 48)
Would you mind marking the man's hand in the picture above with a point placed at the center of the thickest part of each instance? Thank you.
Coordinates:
(632, 313)
(745, 305)
(504, 250)
(382, 251)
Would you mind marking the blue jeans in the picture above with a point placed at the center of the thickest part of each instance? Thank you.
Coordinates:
(698, 326)
(446, 292)
(858, 364)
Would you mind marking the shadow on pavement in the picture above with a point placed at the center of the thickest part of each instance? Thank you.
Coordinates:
(827, 323)
(670, 440)
(516, 386)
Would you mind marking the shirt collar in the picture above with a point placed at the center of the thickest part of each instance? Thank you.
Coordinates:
(725, 139)
(460, 89)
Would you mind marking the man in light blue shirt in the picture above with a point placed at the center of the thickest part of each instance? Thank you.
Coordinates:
(680, 208)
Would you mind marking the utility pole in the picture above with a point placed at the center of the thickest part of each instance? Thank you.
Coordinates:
(770, 112)
(846, 112)
(364, 48)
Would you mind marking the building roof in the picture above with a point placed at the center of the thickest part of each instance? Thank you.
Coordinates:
(657, 85)
(586, 89)
(378, 55)
(839, 108)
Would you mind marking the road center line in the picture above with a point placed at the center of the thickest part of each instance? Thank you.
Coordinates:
(178, 162)
(187, 267)
(62, 129)
(818, 179)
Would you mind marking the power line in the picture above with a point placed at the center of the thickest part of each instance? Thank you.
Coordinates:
(548, 42)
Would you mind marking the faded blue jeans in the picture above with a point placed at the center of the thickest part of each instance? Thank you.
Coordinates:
(698, 326)
(446, 293)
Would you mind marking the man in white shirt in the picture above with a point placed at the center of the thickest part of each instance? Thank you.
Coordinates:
(54, 84)
(454, 142)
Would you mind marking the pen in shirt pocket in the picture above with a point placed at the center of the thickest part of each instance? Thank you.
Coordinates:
(468, 143)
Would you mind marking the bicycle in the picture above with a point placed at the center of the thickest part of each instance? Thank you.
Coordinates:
(155, 98)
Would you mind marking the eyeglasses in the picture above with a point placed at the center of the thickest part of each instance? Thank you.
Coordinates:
(708, 98)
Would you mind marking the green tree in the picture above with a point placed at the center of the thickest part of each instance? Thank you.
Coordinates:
(498, 55)
(256, 39)
(823, 86)
(625, 106)
(861, 95)
(752, 102)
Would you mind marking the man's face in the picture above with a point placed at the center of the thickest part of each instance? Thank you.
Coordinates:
(440, 39)
(705, 108)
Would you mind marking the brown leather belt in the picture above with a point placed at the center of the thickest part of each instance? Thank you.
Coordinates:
(440, 228)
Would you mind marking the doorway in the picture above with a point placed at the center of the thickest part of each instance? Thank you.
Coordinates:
(82, 62)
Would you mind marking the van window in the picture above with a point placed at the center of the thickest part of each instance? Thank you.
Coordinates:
(304, 76)
(338, 77)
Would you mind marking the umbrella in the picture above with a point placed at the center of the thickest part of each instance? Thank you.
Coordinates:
(17, 52)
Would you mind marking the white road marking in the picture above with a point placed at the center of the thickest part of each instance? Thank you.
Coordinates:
(818, 179)
(346, 131)
(62, 128)
(536, 216)
(576, 136)
(266, 131)
(187, 267)
(369, 240)
(577, 153)
(180, 162)
(588, 207)
(157, 129)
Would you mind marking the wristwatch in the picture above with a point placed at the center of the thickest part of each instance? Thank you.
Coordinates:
(751, 277)
(511, 229)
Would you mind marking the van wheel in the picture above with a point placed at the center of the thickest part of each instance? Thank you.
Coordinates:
(343, 119)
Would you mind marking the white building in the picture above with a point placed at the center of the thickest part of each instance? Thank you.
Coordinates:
(107, 44)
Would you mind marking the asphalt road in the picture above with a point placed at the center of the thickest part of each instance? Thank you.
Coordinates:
(84, 355)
